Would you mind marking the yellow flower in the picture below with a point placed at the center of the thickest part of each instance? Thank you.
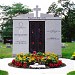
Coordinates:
(56, 58)
(49, 57)
(42, 58)
(32, 58)
(20, 58)
(73, 55)
(24, 57)
(43, 54)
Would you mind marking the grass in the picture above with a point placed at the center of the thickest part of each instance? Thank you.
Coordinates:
(71, 73)
(5, 52)
(68, 50)
(3, 72)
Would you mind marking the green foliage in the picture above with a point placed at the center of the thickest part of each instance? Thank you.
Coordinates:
(5, 52)
(68, 50)
(7, 29)
(68, 21)
(32, 58)
(9, 12)
(52, 8)
(71, 73)
(73, 56)
(40, 53)
(3, 72)
(17, 8)
(68, 26)
(67, 11)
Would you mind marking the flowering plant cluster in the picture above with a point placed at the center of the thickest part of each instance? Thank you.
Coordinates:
(73, 56)
(48, 59)
(59, 63)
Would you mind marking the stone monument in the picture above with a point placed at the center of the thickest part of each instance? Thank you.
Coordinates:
(36, 33)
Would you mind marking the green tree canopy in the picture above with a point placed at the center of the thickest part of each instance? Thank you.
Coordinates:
(15, 9)
(8, 13)
(67, 12)
(52, 8)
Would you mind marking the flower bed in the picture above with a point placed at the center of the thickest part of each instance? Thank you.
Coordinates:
(50, 60)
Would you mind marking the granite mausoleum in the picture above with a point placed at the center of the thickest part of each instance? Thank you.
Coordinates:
(36, 33)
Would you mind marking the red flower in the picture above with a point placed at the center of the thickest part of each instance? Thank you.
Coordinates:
(24, 65)
(18, 64)
(56, 65)
(51, 65)
(34, 52)
(59, 62)
(13, 62)
(41, 57)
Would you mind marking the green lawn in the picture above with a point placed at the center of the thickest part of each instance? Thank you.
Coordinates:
(5, 52)
(3, 72)
(66, 52)
(71, 73)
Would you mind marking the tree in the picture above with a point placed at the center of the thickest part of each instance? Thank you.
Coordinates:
(52, 8)
(9, 12)
(68, 26)
(66, 11)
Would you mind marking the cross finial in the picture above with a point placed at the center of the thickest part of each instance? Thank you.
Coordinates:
(37, 9)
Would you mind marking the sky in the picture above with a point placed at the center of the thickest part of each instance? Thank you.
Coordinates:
(43, 4)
